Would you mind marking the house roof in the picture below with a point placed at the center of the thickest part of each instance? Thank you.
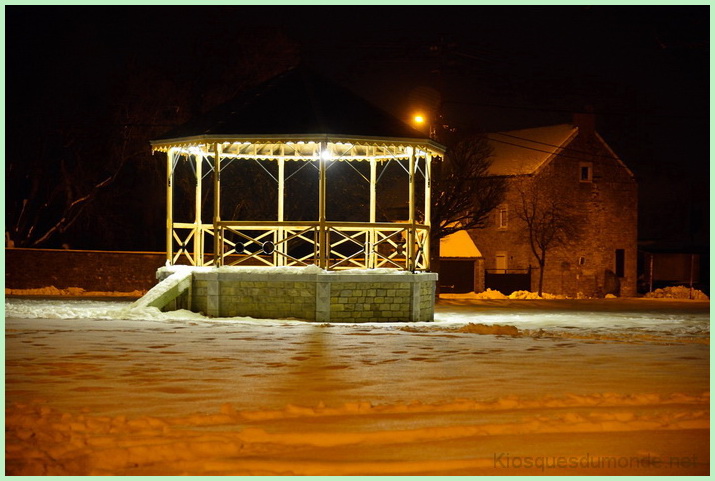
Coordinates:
(459, 244)
(297, 102)
(519, 152)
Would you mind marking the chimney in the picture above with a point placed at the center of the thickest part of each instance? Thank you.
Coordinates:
(585, 121)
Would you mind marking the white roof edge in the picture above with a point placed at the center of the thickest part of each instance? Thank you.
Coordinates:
(615, 156)
(559, 149)
(435, 146)
(524, 141)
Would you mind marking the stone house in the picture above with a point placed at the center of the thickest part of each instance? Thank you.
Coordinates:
(574, 164)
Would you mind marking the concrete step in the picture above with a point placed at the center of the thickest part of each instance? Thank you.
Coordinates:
(164, 295)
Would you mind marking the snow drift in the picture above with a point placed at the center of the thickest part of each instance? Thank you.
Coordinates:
(96, 388)
(677, 292)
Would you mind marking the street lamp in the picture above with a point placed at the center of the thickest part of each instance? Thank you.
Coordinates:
(425, 124)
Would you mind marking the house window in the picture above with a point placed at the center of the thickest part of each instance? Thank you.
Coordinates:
(585, 172)
(503, 216)
(620, 263)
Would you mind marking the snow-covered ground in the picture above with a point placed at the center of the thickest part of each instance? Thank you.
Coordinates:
(611, 386)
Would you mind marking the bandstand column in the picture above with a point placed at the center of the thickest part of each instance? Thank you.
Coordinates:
(410, 264)
(198, 235)
(322, 233)
(218, 232)
(370, 253)
(170, 206)
(428, 208)
(278, 240)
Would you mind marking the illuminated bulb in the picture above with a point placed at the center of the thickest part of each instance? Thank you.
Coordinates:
(419, 119)
(325, 155)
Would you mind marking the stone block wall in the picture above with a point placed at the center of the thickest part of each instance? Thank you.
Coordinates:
(322, 297)
(253, 298)
(380, 297)
(370, 301)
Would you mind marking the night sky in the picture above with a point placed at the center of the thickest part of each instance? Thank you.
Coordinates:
(88, 87)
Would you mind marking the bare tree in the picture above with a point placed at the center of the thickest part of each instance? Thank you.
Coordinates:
(59, 184)
(463, 191)
(550, 221)
(70, 170)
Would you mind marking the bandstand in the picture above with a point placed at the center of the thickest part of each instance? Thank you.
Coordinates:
(299, 193)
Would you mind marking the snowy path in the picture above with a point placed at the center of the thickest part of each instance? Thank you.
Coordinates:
(628, 383)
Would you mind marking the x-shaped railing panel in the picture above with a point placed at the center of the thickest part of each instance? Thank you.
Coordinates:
(357, 246)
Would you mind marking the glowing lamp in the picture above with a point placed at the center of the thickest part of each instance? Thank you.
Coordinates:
(325, 155)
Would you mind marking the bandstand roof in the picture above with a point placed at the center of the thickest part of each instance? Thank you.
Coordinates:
(296, 105)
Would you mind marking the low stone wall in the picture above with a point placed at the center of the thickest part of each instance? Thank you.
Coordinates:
(354, 296)
(382, 298)
(229, 295)
(106, 271)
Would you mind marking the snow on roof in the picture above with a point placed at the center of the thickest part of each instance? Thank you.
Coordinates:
(459, 244)
(524, 151)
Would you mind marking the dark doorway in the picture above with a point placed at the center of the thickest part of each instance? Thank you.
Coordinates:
(456, 276)
(508, 281)
(620, 262)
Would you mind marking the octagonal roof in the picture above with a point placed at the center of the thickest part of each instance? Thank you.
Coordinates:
(298, 103)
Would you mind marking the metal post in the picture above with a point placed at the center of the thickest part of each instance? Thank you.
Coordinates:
(170, 206)
(322, 234)
(692, 267)
(218, 232)
(650, 274)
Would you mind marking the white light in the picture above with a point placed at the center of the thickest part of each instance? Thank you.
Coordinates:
(325, 155)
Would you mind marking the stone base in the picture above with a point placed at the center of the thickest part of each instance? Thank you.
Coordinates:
(309, 293)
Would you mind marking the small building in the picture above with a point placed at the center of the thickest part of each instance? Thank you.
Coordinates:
(460, 264)
(570, 162)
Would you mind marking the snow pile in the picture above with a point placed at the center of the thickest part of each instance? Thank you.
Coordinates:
(677, 292)
(75, 308)
(634, 335)
(533, 295)
(494, 329)
(490, 294)
(70, 292)
(367, 272)
(494, 294)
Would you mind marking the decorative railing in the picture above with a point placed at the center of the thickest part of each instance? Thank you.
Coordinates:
(330, 245)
